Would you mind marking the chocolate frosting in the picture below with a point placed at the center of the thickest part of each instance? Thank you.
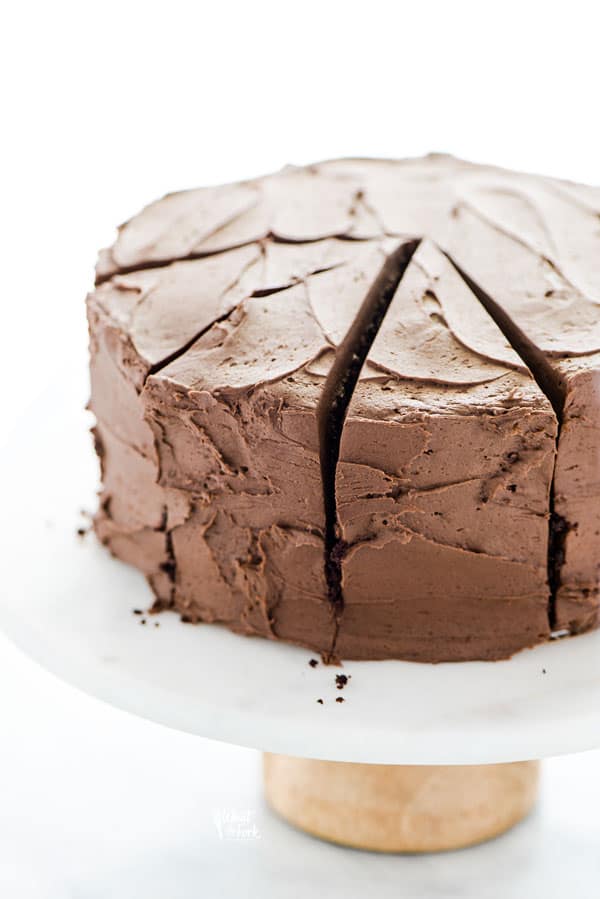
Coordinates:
(214, 325)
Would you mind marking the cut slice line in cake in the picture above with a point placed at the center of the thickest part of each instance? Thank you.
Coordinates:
(335, 398)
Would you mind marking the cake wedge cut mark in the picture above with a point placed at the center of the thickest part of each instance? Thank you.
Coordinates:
(548, 378)
(336, 397)
(552, 383)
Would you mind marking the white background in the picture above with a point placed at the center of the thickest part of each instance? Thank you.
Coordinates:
(108, 105)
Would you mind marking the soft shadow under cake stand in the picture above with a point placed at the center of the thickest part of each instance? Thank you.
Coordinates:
(418, 757)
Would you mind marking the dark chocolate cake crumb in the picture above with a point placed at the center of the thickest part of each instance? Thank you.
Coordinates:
(320, 701)
(143, 621)
(81, 532)
(159, 605)
(313, 663)
(341, 680)
(340, 699)
(138, 612)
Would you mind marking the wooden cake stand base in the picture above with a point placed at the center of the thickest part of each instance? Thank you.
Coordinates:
(400, 808)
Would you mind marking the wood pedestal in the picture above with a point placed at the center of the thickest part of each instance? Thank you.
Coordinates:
(398, 808)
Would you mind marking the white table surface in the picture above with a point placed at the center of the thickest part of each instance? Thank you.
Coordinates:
(97, 804)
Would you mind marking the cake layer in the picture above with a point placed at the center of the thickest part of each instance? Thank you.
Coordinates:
(534, 246)
(444, 513)
(240, 469)
(443, 486)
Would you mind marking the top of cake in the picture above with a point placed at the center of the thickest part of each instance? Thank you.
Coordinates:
(531, 241)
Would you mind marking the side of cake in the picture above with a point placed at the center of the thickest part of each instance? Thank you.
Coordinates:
(455, 517)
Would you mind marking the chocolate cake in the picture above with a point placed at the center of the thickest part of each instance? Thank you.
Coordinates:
(356, 406)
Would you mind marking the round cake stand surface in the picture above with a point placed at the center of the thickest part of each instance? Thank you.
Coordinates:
(70, 607)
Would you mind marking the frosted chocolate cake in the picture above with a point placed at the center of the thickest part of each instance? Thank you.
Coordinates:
(356, 406)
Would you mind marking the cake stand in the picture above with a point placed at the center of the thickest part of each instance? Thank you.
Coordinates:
(417, 757)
